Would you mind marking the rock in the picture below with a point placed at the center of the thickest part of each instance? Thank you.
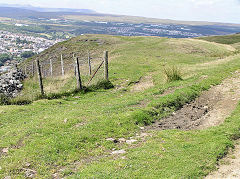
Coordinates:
(142, 128)
(144, 135)
(131, 141)
(205, 107)
(55, 175)
(121, 140)
(110, 139)
(7, 177)
(118, 152)
(27, 164)
(30, 173)
(11, 83)
(5, 150)
(65, 120)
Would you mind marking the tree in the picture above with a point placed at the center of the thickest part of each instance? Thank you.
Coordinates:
(27, 54)
(3, 58)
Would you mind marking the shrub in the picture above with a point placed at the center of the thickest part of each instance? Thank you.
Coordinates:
(172, 73)
(3, 99)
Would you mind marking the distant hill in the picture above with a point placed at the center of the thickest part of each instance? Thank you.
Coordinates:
(227, 39)
(20, 11)
(33, 13)
(233, 40)
(41, 9)
(73, 22)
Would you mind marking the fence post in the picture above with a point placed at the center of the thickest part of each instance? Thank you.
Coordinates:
(40, 77)
(89, 64)
(51, 68)
(62, 65)
(75, 70)
(79, 81)
(41, 69)
(106, 65)
(33, 69)
(25, 69)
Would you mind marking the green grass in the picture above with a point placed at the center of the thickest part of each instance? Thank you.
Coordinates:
(172, 73)
(68, 135)
(227, 39)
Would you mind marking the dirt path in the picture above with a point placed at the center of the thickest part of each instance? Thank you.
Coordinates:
(230, 167)
(210, 109)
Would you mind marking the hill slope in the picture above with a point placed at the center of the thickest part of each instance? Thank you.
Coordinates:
(84, 135)
(233, 40)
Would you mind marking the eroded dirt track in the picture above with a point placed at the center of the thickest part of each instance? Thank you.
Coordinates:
(230, 167)
(210, 109)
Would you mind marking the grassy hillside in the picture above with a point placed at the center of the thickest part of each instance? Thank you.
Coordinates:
(66, 137)
(227, 39)
(131, 59)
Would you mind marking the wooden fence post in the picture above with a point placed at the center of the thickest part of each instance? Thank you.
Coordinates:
(75, 70)
(51, 67)
(41, 69)
(89, 64)
(106, 65)
(62, 65)
(25, 69)
(33, 70)
(40, 77)
(79, 81)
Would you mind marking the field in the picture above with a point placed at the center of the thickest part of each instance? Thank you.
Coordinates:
(107, 133)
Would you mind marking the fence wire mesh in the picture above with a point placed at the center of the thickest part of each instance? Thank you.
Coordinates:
(59, 73)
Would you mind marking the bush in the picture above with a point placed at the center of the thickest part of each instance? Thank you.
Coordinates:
(3, 58)
(3, 100)
(27, 54)
(172, 73)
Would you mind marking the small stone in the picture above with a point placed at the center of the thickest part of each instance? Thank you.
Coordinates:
(119, 152)
(131, 141)
(55, 175)
(205, 107)
(7, 177)
(110, 139)
(121, 140)
(142, 128)
(5, 150)
(79, 124)
(30, 173)
(65, 120)
(144, 135)
(27, 164)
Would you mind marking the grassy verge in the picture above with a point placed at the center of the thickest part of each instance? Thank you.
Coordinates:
(170, 154)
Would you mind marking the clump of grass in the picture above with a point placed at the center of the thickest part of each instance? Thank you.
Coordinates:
(172, 73)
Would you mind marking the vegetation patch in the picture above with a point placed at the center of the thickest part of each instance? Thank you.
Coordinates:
(172, 73)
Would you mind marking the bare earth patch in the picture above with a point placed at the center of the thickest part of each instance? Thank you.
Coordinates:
(230, 167)
(210, 109)
(144, 83)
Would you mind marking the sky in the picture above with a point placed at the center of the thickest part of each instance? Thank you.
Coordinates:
(190, 10)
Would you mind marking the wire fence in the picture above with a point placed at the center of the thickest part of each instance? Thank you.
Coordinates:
(64, 73)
